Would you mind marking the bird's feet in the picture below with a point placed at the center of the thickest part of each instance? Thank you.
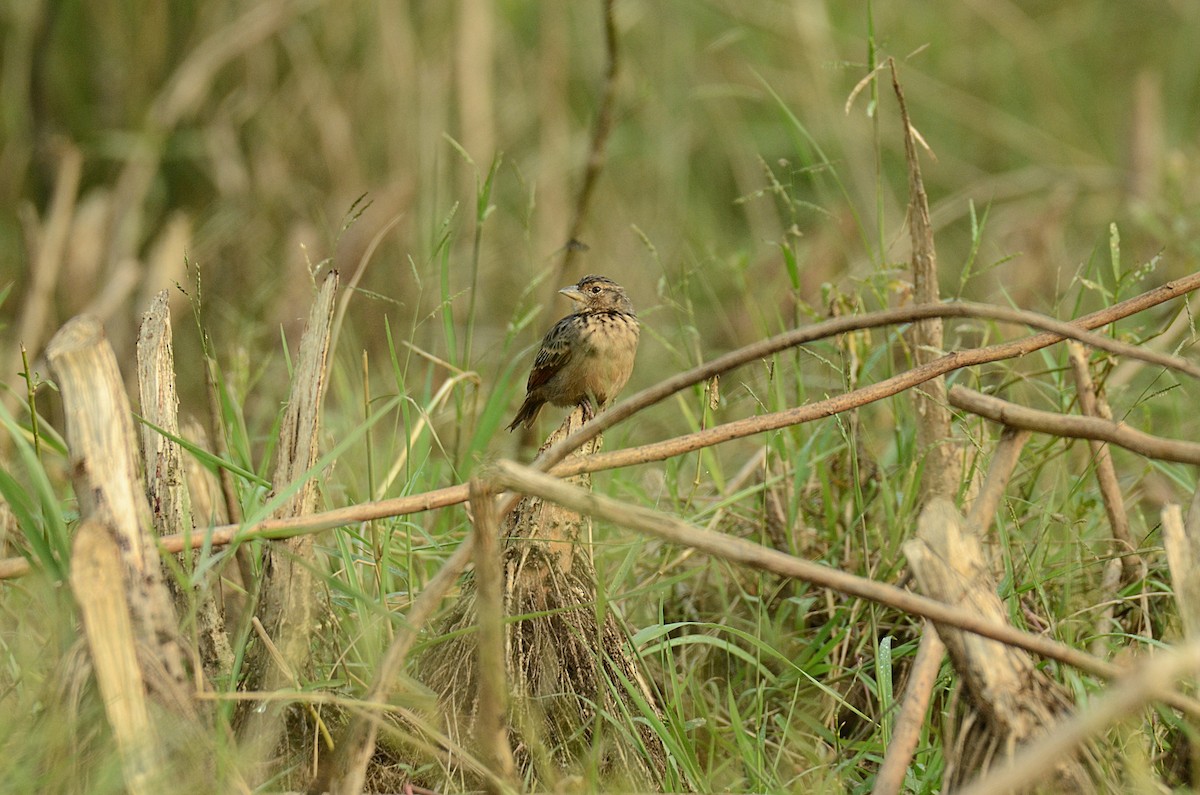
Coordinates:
(589, 413)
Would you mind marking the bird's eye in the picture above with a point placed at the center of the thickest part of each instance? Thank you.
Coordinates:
(596, 289)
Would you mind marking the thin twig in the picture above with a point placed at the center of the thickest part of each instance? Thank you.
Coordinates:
(907, 730)
(1118, 433)
(600, 134)
(1106, 473)
(491, 728)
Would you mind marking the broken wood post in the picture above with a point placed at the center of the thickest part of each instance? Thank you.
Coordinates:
(167, 483)
(128, 618)
(291, 607)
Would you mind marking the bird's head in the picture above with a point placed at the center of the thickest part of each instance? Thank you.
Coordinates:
(598, 294)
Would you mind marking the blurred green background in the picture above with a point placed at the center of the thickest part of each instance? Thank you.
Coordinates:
(241, 134)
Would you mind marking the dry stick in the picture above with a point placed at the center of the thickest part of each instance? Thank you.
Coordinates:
(286, 528)
(491, 730)
(657, 451)
(1106, 473)
(1004, 461)
(1117, 433)
(167, 483)
(1036, 761)
(907, 730)
(942, 469)
(527, 480)
(932, 650)
(600, 134)
(290, 604)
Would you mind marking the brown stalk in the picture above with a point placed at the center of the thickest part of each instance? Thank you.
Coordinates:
(491, 725)
(1106, 474)
(167, 482)
(291, 608)
(600, 134)
(942, 469)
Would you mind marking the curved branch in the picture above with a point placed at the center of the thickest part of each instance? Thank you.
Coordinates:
(1073, 426)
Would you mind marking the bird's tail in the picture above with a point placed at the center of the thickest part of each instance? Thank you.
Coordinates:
(527, 414)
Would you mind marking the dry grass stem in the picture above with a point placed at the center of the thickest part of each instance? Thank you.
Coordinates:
(491, 727)
(906, 732)
(1091, 405)
(1074, 427)
(48, 258)
(600, 135)
(942, 469)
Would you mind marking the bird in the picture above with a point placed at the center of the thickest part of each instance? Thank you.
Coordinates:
(586, 356)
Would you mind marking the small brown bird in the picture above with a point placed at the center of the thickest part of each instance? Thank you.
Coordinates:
(588, 355)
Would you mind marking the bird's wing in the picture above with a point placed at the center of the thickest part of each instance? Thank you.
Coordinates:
(553, 355)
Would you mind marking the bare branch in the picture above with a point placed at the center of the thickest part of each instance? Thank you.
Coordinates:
(1106, 474)
(1118, 433)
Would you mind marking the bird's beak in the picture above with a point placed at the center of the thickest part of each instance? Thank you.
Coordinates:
(573, 293)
